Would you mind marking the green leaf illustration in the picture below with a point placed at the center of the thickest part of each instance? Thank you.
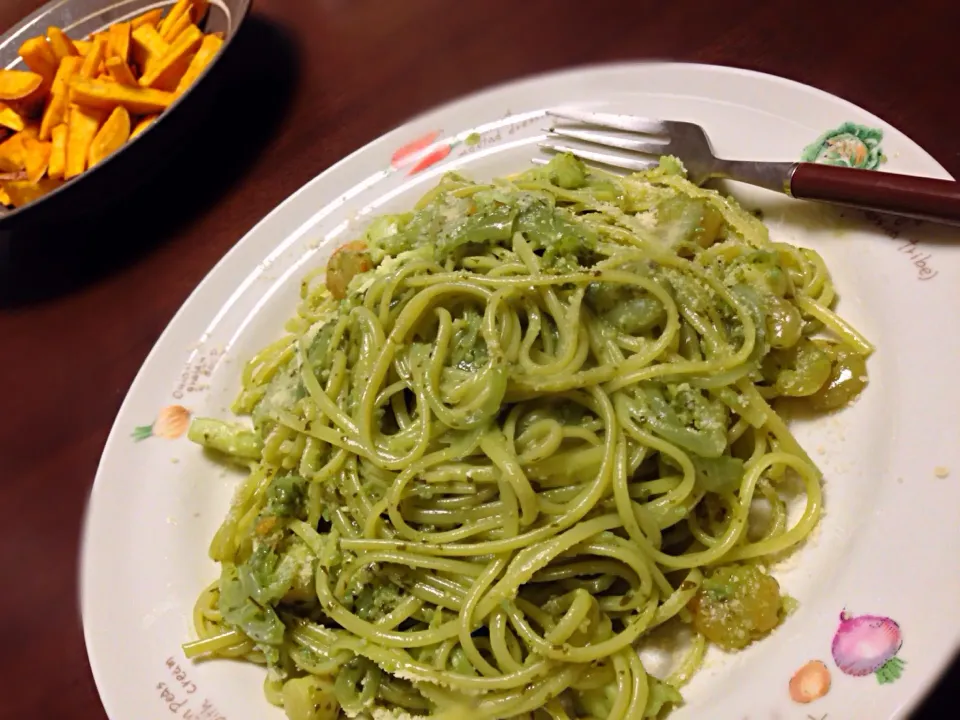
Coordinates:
(890, 671)
(142, 432)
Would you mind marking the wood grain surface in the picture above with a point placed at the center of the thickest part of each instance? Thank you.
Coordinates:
(81, 306)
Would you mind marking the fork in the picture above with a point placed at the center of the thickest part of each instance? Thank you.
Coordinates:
(646, 139)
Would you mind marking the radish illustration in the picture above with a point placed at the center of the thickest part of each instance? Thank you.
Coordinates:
(868, 644)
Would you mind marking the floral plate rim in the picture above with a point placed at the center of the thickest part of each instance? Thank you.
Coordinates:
(381, 148)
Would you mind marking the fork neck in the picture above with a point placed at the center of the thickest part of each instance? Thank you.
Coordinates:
(774, 176)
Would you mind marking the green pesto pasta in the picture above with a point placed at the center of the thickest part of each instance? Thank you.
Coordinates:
(512, 433)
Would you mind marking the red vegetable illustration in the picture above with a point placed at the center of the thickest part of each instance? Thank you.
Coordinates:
(430, 158)
(413, 147)
(868, 644)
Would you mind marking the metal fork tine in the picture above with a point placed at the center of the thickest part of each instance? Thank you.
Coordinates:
(605, 158)
(630, 123)
(651, 146)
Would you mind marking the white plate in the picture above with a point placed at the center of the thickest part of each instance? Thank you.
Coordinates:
(887, 545)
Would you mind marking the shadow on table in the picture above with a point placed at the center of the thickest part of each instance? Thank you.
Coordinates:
(942, 700)
(188, 172)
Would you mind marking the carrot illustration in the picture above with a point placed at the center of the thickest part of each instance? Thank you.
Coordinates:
(430, 158)
(413, 147)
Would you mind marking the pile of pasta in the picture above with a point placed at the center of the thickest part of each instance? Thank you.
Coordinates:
(513, 437)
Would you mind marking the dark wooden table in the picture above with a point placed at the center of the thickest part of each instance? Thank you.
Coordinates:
(81, 307)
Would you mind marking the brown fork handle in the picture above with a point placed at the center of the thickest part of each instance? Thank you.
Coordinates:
(918, 197)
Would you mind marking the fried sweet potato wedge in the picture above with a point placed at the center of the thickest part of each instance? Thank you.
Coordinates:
(11, 154)
(165, 73)
(150, 17)
(82, 127)
(119, 41)
(107, 96)
(112, 135)
(179, 9)
(92, 60)
(18, 84)
(120, 72)
(23, 192)
(36, 158)
(61, 45)
(39, 57)
(204, 56)
(58, 152)
(177, 27)
(56, 109)
(11, 119)
(147, 46)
